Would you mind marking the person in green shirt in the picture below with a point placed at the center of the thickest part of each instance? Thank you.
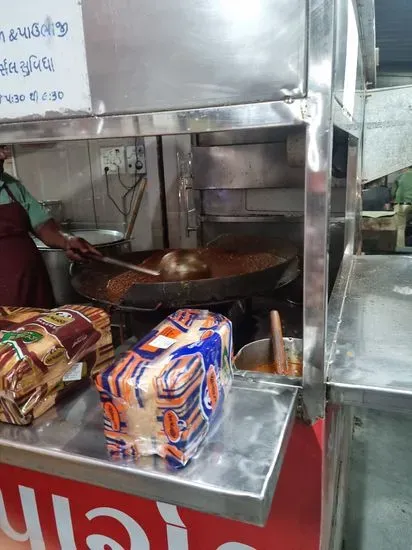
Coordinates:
(402, 195)
(24, 281)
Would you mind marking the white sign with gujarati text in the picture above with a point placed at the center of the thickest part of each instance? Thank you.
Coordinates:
(43, 67)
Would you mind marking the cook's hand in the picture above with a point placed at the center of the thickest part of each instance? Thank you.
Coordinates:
(79, 250)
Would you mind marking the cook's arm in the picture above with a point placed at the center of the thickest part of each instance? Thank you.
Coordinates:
(52, 235)
(50, 232)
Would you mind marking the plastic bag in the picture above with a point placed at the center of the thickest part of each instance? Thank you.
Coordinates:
(163, 396)
(16, 315)
(44, 354)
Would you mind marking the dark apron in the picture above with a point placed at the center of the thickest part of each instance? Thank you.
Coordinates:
(24, 280)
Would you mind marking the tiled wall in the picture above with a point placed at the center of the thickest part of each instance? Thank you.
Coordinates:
(71, 172)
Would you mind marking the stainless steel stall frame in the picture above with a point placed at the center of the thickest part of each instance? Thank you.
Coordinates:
(318, 167)
(314, 100)
(314, 110)
(338, 419)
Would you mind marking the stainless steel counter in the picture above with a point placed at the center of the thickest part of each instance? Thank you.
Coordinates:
(234, 474)
(370, 360)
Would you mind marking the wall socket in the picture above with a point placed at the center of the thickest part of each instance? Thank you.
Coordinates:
(113, 159)
(135, 159)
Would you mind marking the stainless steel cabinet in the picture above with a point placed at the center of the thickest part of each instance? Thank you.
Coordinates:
(151, 56)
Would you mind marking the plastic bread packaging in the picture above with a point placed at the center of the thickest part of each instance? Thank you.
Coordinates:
(15, 315)
(45, 354)
(164, 395)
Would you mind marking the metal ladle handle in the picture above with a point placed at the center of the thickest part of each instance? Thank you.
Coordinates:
(132, 267)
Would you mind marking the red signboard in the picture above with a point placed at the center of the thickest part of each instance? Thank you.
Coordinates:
(43, 512)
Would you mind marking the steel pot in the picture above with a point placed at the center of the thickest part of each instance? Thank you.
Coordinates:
(108, 241)
(260, 353)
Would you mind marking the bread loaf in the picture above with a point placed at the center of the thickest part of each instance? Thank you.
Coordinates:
(163, 395)
(43, 354)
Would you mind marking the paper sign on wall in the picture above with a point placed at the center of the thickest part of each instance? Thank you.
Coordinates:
(43, 68)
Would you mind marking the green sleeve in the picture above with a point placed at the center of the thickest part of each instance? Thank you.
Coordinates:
(399, 192)
(37, 214)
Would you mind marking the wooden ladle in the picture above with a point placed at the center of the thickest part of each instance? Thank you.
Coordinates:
(281, 365)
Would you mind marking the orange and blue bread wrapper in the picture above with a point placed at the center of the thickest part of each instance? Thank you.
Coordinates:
(163, 396)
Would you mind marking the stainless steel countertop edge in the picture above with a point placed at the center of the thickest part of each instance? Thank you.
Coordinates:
(248, 507)
(336, 306)
(77, 468)
(271, 481)
(366, 286)
(389, 399)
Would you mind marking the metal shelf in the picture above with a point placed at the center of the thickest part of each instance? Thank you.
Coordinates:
(370, 361)
(210, 119)
(252, 218)
(234, 474)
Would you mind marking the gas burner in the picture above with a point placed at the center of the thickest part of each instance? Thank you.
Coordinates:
(138, 324)
(249, 317)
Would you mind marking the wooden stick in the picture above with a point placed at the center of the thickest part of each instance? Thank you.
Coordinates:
(278, 345)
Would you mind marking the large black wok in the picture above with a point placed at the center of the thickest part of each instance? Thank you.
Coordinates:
(91, 280)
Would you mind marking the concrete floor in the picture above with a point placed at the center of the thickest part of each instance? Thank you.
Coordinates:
(379, 503)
